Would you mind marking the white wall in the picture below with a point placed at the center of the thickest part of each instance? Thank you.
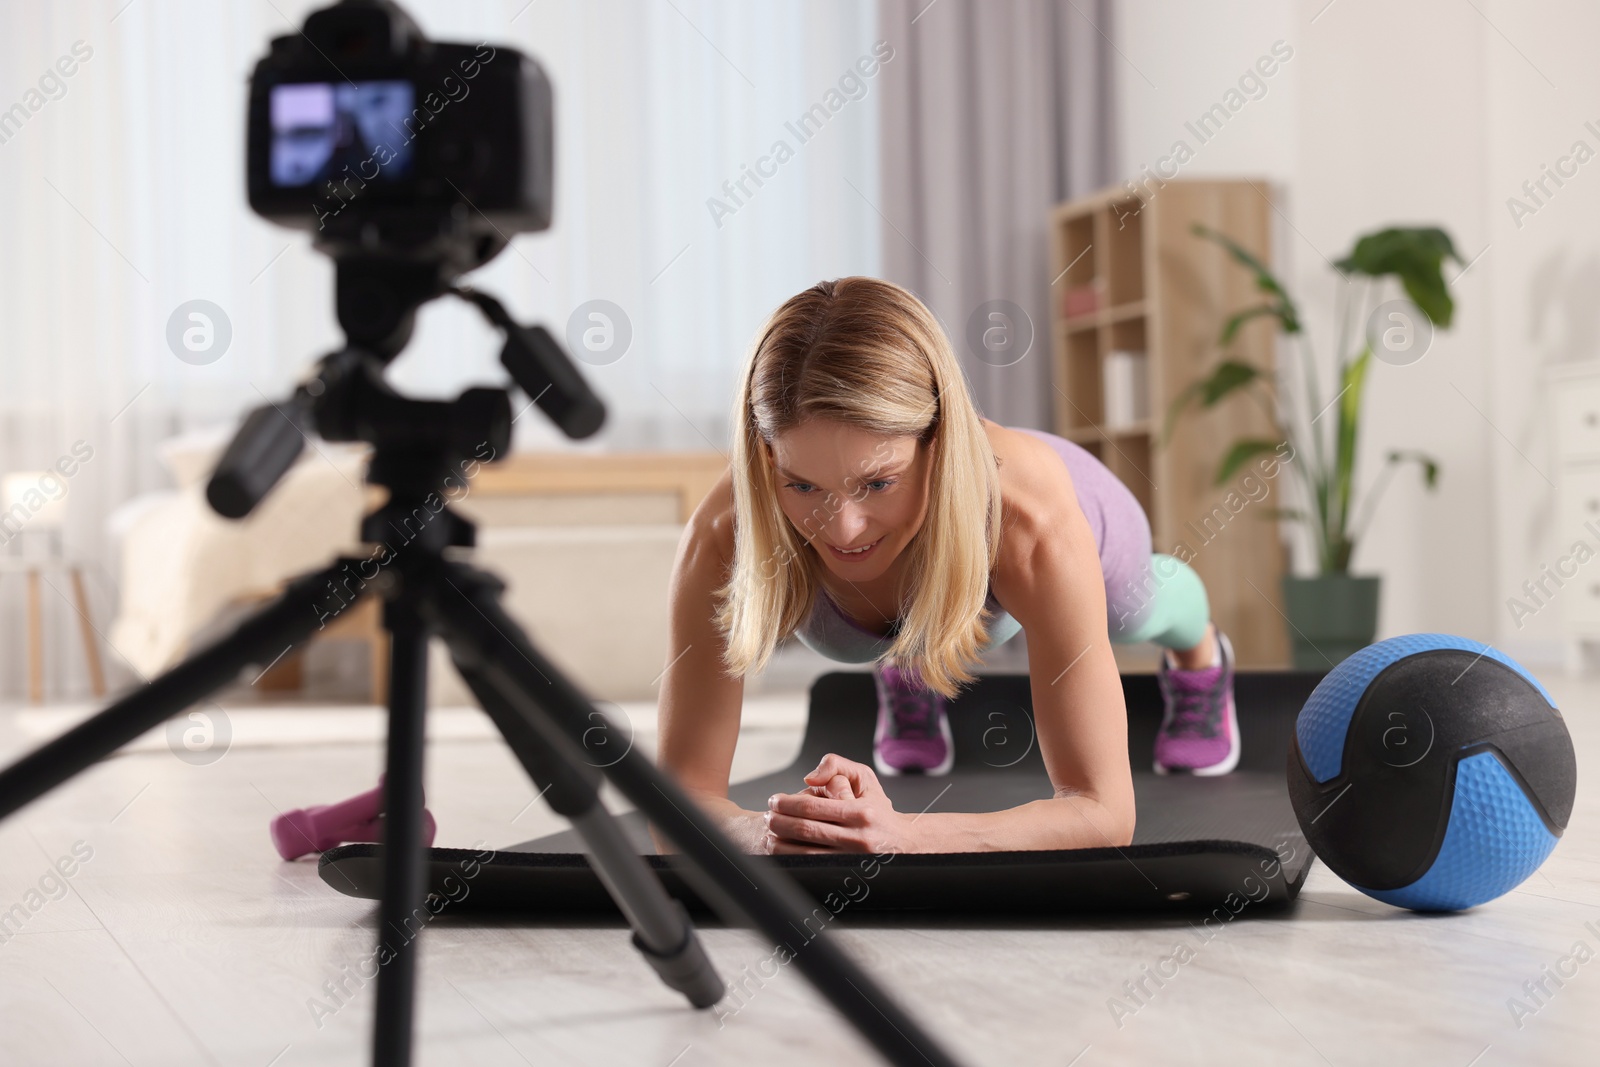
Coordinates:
(1428, 111)
(1546, 277)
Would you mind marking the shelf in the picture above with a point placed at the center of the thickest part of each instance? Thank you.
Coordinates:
(1142, 428)
(1163, 291)
(1081, 434)
(1105, 316)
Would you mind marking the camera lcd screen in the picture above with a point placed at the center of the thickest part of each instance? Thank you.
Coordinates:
(320, 128)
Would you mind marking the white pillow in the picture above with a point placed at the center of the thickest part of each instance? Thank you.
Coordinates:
(191, 455)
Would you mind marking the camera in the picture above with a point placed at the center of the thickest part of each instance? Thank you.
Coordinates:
(383, 143)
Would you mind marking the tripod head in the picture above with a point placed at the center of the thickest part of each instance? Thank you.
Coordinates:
(416, 443)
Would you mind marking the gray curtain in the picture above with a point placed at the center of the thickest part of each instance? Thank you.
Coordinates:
(991, 113)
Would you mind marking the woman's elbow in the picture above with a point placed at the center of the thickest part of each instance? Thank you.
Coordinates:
(1112, 826)
(1123, 817)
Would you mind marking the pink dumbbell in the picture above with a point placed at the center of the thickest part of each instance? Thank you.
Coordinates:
(317, 829)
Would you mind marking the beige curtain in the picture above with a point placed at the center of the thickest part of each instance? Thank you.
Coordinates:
(991, 113)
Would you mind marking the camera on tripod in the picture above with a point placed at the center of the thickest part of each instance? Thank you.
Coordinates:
(411, 162)
(376, 139)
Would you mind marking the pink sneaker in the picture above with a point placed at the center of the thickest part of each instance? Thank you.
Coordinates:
(1200, 730)
(913, 733)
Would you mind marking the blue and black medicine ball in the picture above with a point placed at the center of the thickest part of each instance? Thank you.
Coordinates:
(1431, 772)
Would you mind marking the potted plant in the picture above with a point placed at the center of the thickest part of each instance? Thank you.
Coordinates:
(1334, 613)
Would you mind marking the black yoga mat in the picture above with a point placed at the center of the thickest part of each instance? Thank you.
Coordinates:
(1200, 843)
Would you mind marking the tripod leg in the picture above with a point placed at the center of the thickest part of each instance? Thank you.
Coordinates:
(462, 603)
(261, 638)
(662, 931)
(400, 914)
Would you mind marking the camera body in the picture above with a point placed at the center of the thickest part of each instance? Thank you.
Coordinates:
(385, 144)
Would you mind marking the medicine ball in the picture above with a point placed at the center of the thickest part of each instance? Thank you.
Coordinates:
(1431, 772)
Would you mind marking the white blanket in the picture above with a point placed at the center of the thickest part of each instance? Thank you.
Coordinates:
(182, 564)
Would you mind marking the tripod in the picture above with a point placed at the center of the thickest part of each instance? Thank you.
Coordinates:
(417, 445)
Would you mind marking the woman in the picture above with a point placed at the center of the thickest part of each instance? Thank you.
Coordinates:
(871, 512)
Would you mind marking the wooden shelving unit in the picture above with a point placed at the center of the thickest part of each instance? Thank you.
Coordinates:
(1164, 291)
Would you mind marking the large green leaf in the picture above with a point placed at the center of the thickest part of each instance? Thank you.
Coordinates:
(1230, 329)
(1415, 255)
(1242, 450)
(1284, 308)
(1229, 376)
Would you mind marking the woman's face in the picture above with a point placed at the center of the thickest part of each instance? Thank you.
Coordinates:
(858, 498)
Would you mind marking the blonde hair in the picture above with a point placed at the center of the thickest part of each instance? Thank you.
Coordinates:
(867, 353)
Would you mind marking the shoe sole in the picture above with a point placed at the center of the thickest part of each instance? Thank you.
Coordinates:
(943, 767)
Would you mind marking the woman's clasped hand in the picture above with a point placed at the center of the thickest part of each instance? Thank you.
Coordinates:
(842, 809)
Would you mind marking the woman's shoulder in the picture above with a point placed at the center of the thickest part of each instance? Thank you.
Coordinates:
(1039, 515)
(708, 535)
(1035, 485)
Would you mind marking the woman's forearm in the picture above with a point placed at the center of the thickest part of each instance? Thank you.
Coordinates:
(746, 829)
(1054, 823)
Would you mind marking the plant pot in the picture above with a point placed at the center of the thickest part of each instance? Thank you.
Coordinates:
(1331, 617)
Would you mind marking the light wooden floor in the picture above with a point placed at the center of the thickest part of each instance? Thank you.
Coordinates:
(184, 940)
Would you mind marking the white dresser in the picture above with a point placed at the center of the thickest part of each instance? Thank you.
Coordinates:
(1572, 581)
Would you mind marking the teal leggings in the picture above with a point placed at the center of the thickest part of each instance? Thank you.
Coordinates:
(1150, 596)
(1165, 603)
